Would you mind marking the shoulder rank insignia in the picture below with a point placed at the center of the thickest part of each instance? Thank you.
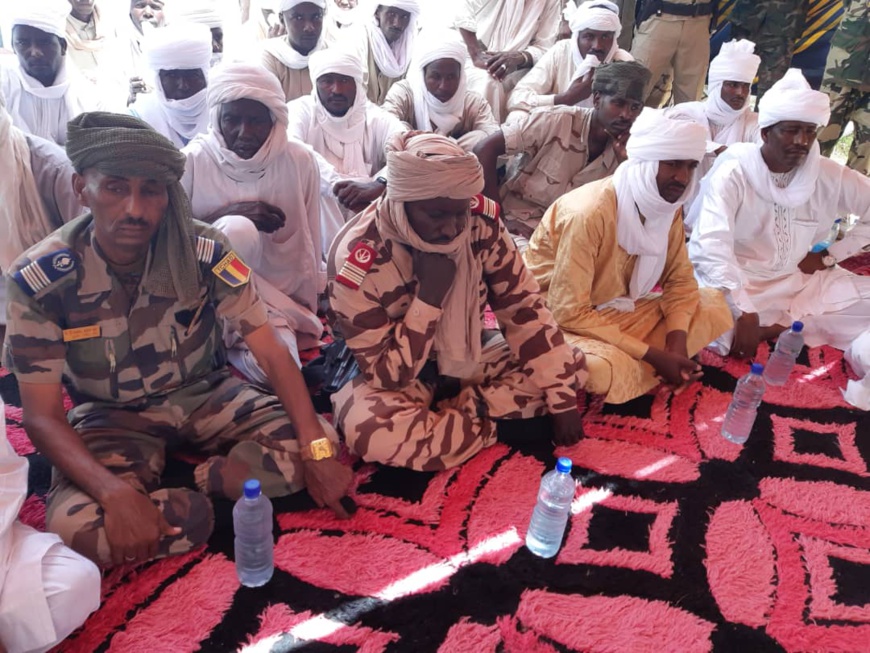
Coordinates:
(45, 270)
(208, 251)
(357, 265)
(232, 270)
(482, 205)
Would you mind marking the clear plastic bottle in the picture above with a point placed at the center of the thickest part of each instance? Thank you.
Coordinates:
(781, 363)
(744, 405)
(254, 547)
(830, 239)
(548, 522)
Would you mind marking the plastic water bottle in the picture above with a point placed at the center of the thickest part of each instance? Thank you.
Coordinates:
(551, 512)
(252, 524)
(781, 363)
(744, 405)
(830, 239)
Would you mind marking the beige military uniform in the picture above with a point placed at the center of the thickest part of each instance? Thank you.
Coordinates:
(390, 413)
(294, 82)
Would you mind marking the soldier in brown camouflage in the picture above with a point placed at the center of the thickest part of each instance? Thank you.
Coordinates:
(393, 293)
(128, 303)
(847, 83)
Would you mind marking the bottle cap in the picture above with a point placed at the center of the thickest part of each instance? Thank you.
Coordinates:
(797, 326)
(757, 368)
(564, 465)
(252, 488)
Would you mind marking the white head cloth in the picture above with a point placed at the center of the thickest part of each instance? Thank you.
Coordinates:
(280, 47)
(343, 16)
(736, 62)
(341, 136)
(654, 138)
(46, 15)
(792, 98)
(393, 60)
(201, 12)
(600, 15)
(428, 110)
(180, 46)
(243, 81)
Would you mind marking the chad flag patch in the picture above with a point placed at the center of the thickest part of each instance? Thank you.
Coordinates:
(232, 270)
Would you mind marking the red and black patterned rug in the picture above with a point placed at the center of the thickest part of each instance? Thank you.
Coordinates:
(679, 541)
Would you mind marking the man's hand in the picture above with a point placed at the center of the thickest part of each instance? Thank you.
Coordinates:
(564, 31)
(720, 150)
(328, 481)
(137, 85)
(357, 195)
(579, 90)
(266, 218)
(567, 428)
(435, 273)
(134, 525)
(675, 370)
(675, 343)
(501, 64)
(747, 336)
(812, 262)
(479, 58)
(618, 144)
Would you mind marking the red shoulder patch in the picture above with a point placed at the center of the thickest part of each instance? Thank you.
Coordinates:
(482, 205)
(357, 265)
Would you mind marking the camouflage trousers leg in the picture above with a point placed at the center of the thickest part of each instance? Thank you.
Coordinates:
(848, 104)
(244, 430)
(404, 429)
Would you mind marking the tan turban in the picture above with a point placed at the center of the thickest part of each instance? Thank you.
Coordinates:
(125, 146)
(423, 166)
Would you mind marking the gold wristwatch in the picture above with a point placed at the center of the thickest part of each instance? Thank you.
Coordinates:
(318, 450)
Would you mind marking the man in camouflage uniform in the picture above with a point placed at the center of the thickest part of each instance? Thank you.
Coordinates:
(847, 83)
(409, 280)
(127, 303)
(774, 27)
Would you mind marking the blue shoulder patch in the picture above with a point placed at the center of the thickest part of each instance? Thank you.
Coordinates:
(45, 270)
(208, 251)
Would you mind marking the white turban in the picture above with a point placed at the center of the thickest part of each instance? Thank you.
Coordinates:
(284, 5)
(343, 135)
(392, 60)
(46, 15)
(654, 138)
(600, 15)
(243, 81)
(736, 62)
(201, 12)
(432, 46)
(792, 98)
(178, 46)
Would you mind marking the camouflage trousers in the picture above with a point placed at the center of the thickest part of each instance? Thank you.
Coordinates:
(776, 51)
(621, 377)
(404, 429)
(243, 430)
(848, 104)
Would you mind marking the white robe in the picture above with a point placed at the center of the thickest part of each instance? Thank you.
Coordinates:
(46, 589)
(380, 126)
(287, 261)
(33, 107)
(750, 249)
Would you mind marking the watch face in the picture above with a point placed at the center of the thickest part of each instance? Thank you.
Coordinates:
(321, 449)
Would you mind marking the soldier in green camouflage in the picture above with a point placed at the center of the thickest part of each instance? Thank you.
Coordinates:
(774, 26)
(847, 83)
(128, 302)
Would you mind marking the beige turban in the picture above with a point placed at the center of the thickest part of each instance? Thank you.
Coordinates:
(424, 166)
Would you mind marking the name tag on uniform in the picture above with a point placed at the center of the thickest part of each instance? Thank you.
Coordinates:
(81, 333)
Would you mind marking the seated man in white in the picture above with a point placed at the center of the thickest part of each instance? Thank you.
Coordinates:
(348, 132)
(386, 43)
(177, 58)
(435, 97)
(46, 589)
(564, 74)
(726, 112)
(263, 191)
(42, 92)
(287, 56)
(760, 211)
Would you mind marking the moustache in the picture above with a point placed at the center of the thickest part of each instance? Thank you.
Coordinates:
(133, 222)
(337, 98)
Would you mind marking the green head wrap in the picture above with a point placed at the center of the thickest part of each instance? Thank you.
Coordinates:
(124, 146)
